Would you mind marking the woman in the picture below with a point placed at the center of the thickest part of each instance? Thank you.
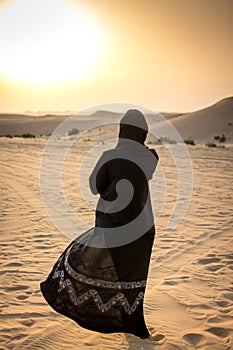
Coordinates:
(99, 281)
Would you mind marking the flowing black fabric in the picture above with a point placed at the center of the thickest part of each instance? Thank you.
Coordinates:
(102, 287)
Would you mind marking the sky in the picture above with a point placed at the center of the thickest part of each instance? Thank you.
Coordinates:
(70, 55)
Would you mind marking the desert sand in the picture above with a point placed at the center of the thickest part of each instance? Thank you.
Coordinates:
(203, 125)
(189, 294)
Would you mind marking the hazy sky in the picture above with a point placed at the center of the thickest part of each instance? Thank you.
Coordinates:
(166, 55)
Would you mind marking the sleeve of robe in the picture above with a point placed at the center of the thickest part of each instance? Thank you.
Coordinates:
(98, 179)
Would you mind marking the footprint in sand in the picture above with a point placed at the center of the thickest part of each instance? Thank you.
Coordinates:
(209, 260)
(228, 296)
(193, 338)
(14, 264)
(22, 297)
(222, 303)
(28, 322)
(156, 337)
(219, 319)
(219, 331)
(214, 267)
(15, 288)
(170, 283)
(159, 339)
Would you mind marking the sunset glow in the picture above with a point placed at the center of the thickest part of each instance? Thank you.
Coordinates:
(165, 55)
(48, 41)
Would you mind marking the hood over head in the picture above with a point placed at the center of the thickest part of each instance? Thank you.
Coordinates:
(133, 126)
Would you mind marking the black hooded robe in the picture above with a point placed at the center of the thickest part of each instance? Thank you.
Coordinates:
(99, 281)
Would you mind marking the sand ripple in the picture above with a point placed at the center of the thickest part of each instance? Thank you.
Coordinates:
(189, 296)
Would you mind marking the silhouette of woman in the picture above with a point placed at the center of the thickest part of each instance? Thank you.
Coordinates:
(99, 281)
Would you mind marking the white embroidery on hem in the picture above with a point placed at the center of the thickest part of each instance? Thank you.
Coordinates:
(92, 293)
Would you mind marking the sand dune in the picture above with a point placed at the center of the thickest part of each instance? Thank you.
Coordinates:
(189, 296)
(203, 125)
(19, 124)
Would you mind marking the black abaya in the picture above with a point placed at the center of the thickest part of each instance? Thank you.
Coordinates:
(100, 279)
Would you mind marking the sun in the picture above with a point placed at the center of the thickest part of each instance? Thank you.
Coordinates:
(49, 41)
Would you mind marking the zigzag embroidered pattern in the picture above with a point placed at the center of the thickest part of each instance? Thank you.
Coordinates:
(92, 293)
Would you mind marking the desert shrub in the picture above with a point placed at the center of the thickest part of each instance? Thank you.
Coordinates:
(211, 144)
(172, 142)
(74, 131)
(28, 135)
(9, 135)
(222, 138)
(166, 140)
(189, 142)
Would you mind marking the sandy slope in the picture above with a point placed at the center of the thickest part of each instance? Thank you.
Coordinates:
(201, 126)
(189, 296)
(212, 121)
